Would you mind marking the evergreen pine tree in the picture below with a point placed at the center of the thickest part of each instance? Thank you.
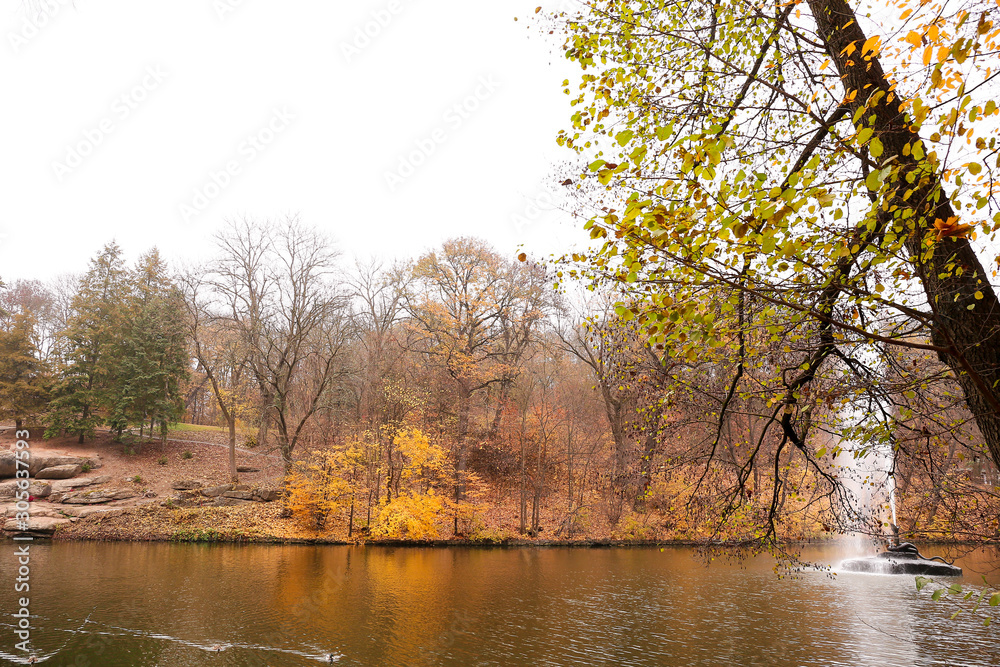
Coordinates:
(99, 313)
(151, 352)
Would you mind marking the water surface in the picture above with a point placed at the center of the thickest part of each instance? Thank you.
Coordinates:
(134, 605)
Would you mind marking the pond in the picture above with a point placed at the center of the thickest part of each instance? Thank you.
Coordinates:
(130, 605)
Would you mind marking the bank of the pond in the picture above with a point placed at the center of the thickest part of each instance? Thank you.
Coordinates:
(179, 490)
(265, 524)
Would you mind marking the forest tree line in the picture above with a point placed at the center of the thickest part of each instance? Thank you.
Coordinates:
(417, 397)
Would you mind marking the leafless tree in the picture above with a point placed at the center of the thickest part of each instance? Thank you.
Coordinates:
(278, 282)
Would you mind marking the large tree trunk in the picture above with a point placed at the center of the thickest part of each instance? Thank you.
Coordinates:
(523, 501)
(264, 416)
(233, 474)
(86, 413)
(461, 464)
(968, 328)
(569, 481)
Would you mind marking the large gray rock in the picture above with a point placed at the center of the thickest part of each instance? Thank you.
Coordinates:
(95, 498)
(8, 467)
(41, 526)
(40, 489)
(40, 462)
(59, 472)
(37, 510)
(187, 484)
(62, 485)
(266, 495)
(214, 491)
(98, 496)
(239, 495)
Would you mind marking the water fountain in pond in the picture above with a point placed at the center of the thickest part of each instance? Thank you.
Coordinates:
(869, 504)
(901, 559)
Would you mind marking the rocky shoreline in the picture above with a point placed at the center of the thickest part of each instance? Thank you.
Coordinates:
(219, 520)
(60, 495)
(70, 499)
(85, 498)
(263, 524)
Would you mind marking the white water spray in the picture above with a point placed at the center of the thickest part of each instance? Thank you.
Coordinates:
(865, 467)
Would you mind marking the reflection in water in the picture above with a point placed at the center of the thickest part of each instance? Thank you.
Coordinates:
(141, 604)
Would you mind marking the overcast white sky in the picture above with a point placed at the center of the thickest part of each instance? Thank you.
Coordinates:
(119, 112)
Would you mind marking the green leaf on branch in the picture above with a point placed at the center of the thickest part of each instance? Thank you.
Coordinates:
(876, 148)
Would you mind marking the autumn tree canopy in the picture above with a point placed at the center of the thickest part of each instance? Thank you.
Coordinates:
(820, 170)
